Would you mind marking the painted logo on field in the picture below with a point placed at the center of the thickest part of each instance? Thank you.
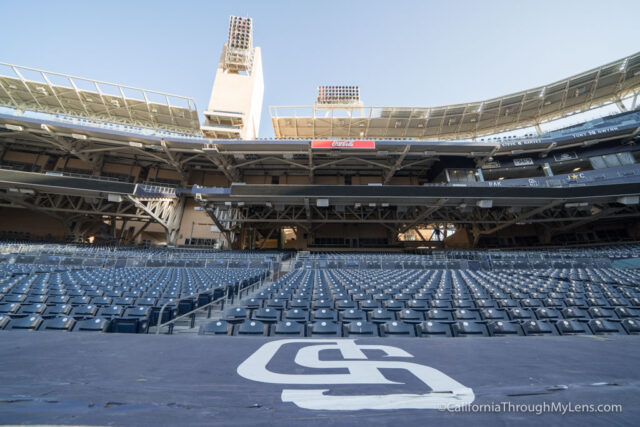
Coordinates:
(440, 389)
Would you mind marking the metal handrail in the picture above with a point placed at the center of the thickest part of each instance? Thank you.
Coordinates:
(209, 304)
(160, 325)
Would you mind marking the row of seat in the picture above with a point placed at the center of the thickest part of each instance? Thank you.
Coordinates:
(134, 325)
(379, 315)
(358, 328)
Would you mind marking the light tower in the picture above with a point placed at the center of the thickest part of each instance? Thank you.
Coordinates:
(236, 98)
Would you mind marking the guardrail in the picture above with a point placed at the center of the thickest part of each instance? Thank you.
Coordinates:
(229, 297)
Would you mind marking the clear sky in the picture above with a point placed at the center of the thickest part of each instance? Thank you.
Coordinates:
(400, 53)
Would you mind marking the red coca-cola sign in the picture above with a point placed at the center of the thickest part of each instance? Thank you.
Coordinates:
(358, 144)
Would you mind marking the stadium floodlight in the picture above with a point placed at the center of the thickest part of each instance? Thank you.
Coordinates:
(14, 127)
(238, 51)
(135, 144)
(338, 95)
(78, 136)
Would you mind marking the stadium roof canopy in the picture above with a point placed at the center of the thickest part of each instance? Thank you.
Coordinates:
(610, 83)
(29, 89)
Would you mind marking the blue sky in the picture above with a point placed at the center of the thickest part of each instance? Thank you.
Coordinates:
(400, 53)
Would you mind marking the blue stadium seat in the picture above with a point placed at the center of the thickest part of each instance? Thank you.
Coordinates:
(360, 328)
(353, 315)
(288, 328)
(267, 315)
(296, 315)
(410, 316)
(218, 327)
(29, 323)
(97, 324)
(324, 314)
(397, 329)
(381, 316)
(324, 328)
(60, 323)
(464, 328)
(500, 328)
(251, 327)
(606, 327)
(236, 315)
(572, 327)
(538, 327)
(434, 329)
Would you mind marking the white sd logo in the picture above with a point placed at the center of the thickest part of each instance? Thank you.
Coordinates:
(445, 391)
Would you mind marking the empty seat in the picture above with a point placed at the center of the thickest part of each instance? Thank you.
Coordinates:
(418, 305)
(548, 314)
(438, 314)
(14, 298)
(575, 313)
(530, 303)
(219, 327)
(369, 305)
(500, 328)
(360, 328)
(345, 304)
(353, 315)
(288, 328)
(325, 328)
(463, 303)
(494, 314)
(464, 314)
(60, 299)
(97, 324)
(129, 325)
(464, 328)
(11, 308)
(80, 300)
(520, 314)
(83, 311)
(322, 303)
(325, 314)
(296, 315)
(276, 304)
(393, 305)
(268, 315)
(538, 327)
(101, 301)
(300, 303)
(625, 312)
(632, 326)
(139, 312)
(32, 309)
(236, 315)
(111, 311)
(486, 303)
(381, 316)
(606, 327)
(601, 312)
(397, 329)
(410, 316)
(434, 329)
(29, 323)
(251, 327)
(57, 310)
(60, 323)
(572, 327)
(436, 303)
(36, 299)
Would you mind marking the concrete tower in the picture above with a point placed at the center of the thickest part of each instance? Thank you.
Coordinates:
(236, 98)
